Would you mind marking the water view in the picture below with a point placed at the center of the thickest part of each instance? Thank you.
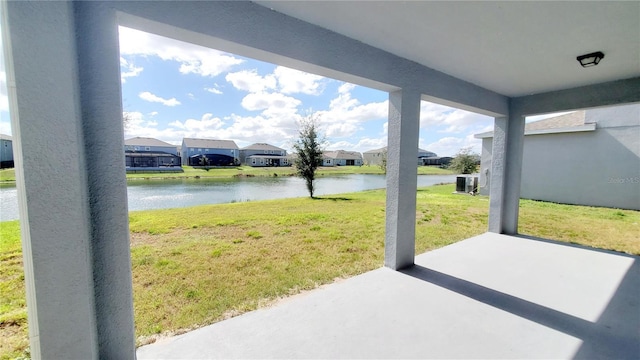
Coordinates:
(164, 194)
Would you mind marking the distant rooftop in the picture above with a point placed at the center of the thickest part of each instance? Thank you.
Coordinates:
(262, 146)
(209, 143)
(145, 141)
(342, 154)
(383, 149)
(5, 137)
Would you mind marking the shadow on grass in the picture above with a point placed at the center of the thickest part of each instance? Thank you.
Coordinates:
(332, 198)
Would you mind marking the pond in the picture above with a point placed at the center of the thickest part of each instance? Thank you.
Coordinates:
(163, 194)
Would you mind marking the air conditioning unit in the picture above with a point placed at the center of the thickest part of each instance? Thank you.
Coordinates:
(466, 184)
(471, 185)
(461, 184)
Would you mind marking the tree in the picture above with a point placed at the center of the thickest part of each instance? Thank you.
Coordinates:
(205, 162)
(465, 162)
(383, 161)
(308, 148)
(127, 119)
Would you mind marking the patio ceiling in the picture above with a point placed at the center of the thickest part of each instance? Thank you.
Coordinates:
(512, 48)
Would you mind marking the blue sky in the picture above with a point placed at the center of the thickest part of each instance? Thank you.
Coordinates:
(172, 90)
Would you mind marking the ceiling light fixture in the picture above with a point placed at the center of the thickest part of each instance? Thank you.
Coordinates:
(590, 59)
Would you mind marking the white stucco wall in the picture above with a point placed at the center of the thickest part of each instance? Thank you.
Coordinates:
(597, 168)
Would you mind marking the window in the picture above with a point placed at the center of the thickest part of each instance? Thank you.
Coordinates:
(191, 149)
(270, 151)
(253, 161)
(147, 148)
(265, 151)
(135, 148)
(199, 149)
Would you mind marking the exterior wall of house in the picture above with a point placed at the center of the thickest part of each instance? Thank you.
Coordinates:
(189, 151)
(262, 160)
(373, 158)
(596, 168)
(245, 156)
(6, 153)
(167, 149)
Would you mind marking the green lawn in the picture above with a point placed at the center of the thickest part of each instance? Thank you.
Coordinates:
(7, 175)
(190, 271)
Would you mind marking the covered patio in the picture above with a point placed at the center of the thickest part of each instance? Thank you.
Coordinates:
(489, 297)
(497, 295)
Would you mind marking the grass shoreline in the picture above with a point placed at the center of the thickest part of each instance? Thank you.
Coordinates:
(190, 271)
(7, 176)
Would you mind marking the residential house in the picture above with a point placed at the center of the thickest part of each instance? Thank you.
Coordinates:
(6, 151)
(144, 152)
(341, 158)
(435, 160)
(587, 157)
(374, 157)
(209, 152)
(262, 154)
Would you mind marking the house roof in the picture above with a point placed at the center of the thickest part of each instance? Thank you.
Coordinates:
(383, 149)
(571, 122)
(342, 154)
(6, 137)
(262, 146)
(376, 151)
(209, 143)
(145, 141)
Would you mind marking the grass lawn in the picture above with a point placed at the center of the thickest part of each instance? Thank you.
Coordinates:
(196, 266)
(8, 175)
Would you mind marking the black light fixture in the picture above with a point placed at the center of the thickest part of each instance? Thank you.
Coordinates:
(590, 59)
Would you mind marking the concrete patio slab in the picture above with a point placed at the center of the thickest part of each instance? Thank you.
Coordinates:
(491, 296)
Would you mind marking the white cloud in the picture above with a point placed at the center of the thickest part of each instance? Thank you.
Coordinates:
(193, 59)
(451, 120)
(193, 126)
(128, 69)
(269, 101)
(346, 115)
(147, 96)
(449, 146)
(213, 90)
(251, 81)
(364, 144)
(292, 81)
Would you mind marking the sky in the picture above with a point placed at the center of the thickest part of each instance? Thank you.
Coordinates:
(172, 90)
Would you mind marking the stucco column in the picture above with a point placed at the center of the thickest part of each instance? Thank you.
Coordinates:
(402, 171)
(63, 77)
(506, 171)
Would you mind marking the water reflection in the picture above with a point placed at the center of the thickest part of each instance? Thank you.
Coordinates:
(162, 194)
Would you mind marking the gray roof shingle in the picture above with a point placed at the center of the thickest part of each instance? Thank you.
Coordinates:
(210, 143)
(145, 141)
(262, 146)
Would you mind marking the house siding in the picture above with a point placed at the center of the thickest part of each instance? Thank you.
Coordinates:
(193, 147)
(595, 168)
(6, 153)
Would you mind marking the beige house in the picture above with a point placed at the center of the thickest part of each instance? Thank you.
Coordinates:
(262, 154)
(341, 158)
